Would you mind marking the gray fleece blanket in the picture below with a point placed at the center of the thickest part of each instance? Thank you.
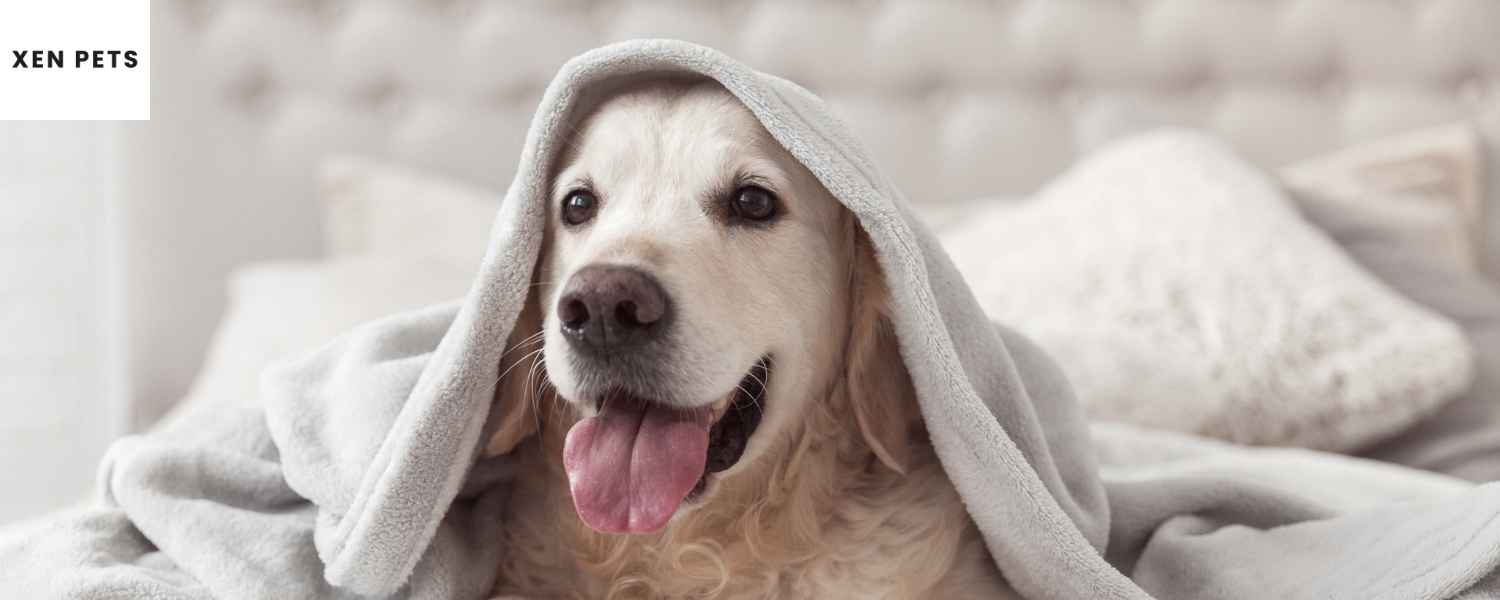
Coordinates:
(359, 476)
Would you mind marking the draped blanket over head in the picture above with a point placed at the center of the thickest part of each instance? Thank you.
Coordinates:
(359, 475)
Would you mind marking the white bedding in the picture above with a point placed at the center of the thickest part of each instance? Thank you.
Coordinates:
(1210, 308)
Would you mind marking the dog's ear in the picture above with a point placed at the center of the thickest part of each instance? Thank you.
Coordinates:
(514, 408)
(877, 384)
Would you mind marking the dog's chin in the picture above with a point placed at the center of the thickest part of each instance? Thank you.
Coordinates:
(637, 461)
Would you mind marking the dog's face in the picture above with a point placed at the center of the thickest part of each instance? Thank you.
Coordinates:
(694, 293)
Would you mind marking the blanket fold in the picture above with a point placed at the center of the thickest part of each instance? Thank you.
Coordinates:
(358, 476)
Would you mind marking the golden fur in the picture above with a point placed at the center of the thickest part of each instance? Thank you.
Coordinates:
(844, 500)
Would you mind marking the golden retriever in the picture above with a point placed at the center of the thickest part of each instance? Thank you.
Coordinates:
(705, 392)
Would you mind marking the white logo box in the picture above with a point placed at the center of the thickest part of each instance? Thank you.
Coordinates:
(80, 60)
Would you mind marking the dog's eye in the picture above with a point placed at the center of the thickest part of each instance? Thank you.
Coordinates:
(578, 207)
(754, 203)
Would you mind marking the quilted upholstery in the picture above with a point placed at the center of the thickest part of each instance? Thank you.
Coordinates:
(956, 99)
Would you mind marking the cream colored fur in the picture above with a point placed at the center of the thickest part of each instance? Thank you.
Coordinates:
(839, 494)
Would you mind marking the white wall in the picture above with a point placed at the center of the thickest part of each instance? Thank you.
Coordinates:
(56, 311)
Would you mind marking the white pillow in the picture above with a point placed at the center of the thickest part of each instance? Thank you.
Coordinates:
(281, 309)
(374, 208)
(1178, 288)
(1457, 164)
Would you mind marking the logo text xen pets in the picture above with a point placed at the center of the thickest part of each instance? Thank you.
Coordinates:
(82, 59)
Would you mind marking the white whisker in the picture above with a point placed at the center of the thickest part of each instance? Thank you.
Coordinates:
(519, 361)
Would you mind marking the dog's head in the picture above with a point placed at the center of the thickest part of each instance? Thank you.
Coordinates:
(698, 289)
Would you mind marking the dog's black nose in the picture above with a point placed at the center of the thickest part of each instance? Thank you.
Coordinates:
(612, 307)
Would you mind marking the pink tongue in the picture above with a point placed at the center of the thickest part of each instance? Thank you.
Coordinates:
(630, 467)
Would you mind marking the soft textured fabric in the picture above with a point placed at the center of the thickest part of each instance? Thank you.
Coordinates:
(1437, 172)
(1389, 206)
(357, 476)
(285, 308)
(1488, 126)
(1182, 290)
(1451, 168)
(1463, 437)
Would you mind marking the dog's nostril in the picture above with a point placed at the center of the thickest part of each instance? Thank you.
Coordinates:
(626, 314)
(649, 307)
(573, 313)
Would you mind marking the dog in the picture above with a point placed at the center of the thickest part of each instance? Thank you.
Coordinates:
(704, 393)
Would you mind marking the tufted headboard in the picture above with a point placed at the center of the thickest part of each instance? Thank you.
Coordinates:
(957, 99)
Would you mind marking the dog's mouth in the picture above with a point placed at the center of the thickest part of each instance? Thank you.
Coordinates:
(632, 465)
